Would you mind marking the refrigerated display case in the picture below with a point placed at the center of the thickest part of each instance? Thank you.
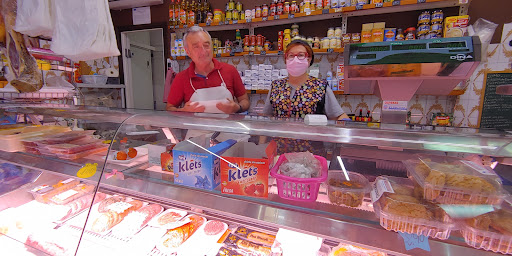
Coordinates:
(31, 225)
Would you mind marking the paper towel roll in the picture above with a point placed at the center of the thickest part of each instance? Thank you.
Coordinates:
(111, 72)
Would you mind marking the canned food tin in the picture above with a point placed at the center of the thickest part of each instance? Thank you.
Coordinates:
(433, 35)
(437, 16)
(423, 29)
(424, 18)
(422, 36)
(436, 27)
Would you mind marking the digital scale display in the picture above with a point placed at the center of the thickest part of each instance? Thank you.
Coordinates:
(366, 56)
(374, 49)
(447, 45)
(402, 47)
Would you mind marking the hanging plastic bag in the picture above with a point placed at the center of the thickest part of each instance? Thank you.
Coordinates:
(484, 29)
(34, 18)
(83, 30)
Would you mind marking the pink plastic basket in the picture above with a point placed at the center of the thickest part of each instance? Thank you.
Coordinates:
(298, 189)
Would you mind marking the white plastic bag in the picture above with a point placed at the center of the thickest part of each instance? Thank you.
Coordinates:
(83, 30)
(34, 18)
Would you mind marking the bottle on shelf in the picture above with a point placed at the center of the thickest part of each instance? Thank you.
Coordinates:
(287, 38)
(199, 13)
(183, 13)
(191, 14)
(171, 14)
(359, 118)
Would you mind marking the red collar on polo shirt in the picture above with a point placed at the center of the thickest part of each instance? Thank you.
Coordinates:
(217, 65)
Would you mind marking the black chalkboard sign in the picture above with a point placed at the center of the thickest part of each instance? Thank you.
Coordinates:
(496, 109)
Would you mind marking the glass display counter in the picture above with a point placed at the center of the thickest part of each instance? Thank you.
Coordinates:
(218, 169)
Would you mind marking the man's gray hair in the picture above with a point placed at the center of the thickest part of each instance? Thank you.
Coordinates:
(193, 30)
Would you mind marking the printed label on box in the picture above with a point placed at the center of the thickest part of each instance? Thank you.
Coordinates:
(245, 176)
(394, 105)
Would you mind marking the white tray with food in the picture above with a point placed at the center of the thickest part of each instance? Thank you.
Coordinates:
(173, 240)
(114, 157)
(204, 238)
(107, 214)
(137, 220)
(79, 205)
(169, 219)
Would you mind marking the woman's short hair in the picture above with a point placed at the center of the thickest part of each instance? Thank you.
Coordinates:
(296, 42)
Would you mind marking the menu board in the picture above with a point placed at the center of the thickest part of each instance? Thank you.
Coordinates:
(496, 109)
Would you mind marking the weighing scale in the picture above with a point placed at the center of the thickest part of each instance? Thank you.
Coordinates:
(397, 70)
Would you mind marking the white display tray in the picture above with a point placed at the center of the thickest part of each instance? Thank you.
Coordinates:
(141, 153)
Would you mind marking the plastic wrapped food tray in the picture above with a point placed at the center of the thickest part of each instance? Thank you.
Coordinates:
(448, 180)
(44, 193)
(100, 148)
(487, 240)
(343, 192)
(11, 139)
(298, 189)
(74, 147)
(407, 213)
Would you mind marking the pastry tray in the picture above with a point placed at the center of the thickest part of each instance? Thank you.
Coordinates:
(439, 227)
(463, 172)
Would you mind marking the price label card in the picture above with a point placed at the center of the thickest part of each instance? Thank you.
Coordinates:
(325, 11)
(280, 53)
(394, 105)
(422, 1)
(221, 23)
(87, 171)
(396, 3)
(378, 5)
(291, 16)
(253, 91)
(330, 50)
(412, 241)
(276, 17)
(185, 26)
(235, 22)
(264, 19)
(248, 20)
(251, 53)
(232, 54)
(217, 55)
(208, 23)
(263, 53)
(380, 187)
(359, 7)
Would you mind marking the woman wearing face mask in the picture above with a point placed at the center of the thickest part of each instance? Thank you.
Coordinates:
(300, 94)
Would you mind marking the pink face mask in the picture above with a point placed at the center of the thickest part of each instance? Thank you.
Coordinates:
(297, 67)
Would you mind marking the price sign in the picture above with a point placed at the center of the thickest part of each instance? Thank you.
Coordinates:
(264, 19)
(251, 53)
(221, 23)
(235, 21)
(378, 5)
(232, 54)
(291, 16)
(263, 53)
(396, 3)
(185, 26)
(280, 53)
(276, 17)
(87, 171)
(412, 241)
(422, 1)
(359, 7)
(208, 23)
(330, 50)
(218, 55)
(253, 91)
(325, 11)
(248, 20)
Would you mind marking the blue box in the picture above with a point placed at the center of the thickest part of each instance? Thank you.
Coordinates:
(196, 167)
(389, 34)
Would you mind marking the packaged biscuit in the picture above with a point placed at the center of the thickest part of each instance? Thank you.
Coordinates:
(456, 26)
(389, 34)
(255, 236)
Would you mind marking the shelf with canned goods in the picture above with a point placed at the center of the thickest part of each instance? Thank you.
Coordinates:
(263, 53)
(332, 13)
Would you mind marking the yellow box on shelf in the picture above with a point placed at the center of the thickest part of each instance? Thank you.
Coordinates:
(43, 65)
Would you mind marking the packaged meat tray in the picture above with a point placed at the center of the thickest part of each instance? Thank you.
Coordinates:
(136, 220)
(448, 180)
(206, 236)
(72, 194)
(174, 238)
(169, 219)
(99, 148)
(491, 231)
(64, 137)
(11, 139)
(44, 193)
(402, 209)
(347, 192)
(76, 146)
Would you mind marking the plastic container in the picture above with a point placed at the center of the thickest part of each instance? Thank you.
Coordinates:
(298, 189)
(483, 232)
(449, 180)
(11, 140)
(76, 146)
(72, 194)
(403, 211)
(94, 79)
(343, 192)
(44, 193)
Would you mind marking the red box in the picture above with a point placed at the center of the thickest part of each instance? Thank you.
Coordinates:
(251, 176)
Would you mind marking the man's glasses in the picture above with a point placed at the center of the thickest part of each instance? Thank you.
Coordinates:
(300, 56)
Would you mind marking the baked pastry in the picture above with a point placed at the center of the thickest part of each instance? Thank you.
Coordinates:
(175, 237)
(115, 214)
(405, 205)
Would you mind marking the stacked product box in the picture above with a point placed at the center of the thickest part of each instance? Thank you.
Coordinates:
(260, 77)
